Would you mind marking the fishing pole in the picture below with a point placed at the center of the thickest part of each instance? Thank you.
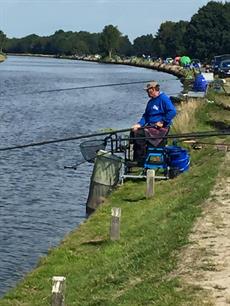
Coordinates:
(45, 142)
(74, 167)
(212, 143)
(184, 135)
(85, 87)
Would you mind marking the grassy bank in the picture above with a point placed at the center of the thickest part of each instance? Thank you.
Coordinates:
(2, 57)
(136, 270)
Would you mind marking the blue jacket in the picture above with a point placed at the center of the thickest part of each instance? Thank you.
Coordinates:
(200, 83)
(158, 109)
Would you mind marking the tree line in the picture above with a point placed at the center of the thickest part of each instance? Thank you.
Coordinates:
(204, 36)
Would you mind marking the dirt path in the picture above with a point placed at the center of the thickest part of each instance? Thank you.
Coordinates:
(205, 263)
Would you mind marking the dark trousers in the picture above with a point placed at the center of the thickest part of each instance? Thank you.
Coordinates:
(140, 145)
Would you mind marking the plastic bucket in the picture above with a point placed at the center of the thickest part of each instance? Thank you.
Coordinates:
(178, 158)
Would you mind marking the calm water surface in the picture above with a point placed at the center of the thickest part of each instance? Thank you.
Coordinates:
(40, 201)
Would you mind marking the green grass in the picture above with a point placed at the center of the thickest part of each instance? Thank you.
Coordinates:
(214, 115)
(136, 270)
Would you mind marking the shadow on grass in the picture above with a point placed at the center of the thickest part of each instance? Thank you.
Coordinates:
(220, 125)
(134, 199)
(96, 241)
(223, 106)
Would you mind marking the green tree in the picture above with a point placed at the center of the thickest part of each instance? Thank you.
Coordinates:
(208, 32)
(91, 41)
(165, 39)
(178, 46)
(169, 41)
(125, 46)
(144, 45)
(110, 39)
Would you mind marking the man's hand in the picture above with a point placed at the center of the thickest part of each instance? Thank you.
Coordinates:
(159, 124)
(136, 127)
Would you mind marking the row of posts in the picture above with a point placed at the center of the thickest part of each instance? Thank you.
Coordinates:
(58, 288)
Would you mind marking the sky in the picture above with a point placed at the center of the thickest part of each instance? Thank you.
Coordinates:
(134, 18)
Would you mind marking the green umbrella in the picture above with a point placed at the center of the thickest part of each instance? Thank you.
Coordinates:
(185, 60)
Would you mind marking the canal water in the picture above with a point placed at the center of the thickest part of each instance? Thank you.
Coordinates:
(40, 201)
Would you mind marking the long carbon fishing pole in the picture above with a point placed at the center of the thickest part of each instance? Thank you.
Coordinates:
(212, 144)
(84, 87)
(185, 135)
(176, 136)
(45, 142)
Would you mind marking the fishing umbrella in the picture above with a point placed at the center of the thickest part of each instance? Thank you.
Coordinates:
(177, 60)
(185, 60)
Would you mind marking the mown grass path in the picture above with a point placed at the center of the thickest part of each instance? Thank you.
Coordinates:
(204, 264)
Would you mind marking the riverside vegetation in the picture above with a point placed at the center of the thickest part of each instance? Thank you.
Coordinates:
(137, 269)
(2, 57)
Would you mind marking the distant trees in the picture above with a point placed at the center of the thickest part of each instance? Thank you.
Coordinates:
(207, 34)
(169, 40)
(29, 44)
(125, 47)
(165, 39)
(60, 43)
(2, 40)
(144, 45)
(110, 39)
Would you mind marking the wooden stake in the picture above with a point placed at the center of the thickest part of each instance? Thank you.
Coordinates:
(150, 183)
(58, 289)
(115, 224)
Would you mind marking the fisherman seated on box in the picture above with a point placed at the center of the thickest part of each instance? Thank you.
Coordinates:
(154, 123)
(200, 83)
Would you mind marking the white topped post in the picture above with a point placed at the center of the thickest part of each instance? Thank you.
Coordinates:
(150, 183)
(58, 288)
(115, 223)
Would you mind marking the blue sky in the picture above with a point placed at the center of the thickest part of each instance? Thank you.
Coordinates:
(134, 18)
